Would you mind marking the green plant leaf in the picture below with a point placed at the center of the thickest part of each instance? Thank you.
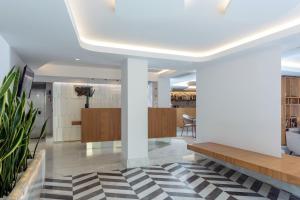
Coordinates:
(7, 83)
(40, 137)
(15, 146)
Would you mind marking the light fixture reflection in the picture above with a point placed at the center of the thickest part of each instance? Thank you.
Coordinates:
(223, 6)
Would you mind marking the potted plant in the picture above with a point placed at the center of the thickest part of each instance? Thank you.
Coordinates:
(17, 117)
(86, 91)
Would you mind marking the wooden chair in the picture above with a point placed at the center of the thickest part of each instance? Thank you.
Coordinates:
(188, 122)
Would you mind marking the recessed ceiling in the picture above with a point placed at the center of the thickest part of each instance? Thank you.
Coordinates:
(188, 29)
(42, 31)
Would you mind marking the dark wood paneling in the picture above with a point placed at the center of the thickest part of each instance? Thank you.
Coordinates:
(100, 124)
(161, 122)
(74, 123)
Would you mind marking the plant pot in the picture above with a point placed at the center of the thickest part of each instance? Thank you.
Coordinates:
(32, 177)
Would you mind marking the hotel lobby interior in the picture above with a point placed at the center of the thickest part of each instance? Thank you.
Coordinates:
(139, 99)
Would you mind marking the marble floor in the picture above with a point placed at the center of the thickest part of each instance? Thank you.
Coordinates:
(203, 179)
(86, 171)
(67, 158)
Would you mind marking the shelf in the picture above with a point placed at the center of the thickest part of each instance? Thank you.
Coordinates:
(290, 94)
(292, 100)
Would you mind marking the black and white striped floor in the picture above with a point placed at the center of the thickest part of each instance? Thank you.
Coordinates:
(204, 179)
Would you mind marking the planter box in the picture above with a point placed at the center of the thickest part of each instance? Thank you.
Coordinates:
(31, 183)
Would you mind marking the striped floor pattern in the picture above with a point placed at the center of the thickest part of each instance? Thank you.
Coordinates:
(204, 179)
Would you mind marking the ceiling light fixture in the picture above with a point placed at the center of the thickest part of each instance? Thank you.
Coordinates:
(112, 4)
(186, 84)
(163, 71)
(77, 59)
(223, 6)
(191, 87)
(181, 84)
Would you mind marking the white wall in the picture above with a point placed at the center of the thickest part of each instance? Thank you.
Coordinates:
(8, 58)
(15, 60)
(164, 92)
(53, 71)
(67, 107)
(238, 102)
(4, 58)
(152, 94)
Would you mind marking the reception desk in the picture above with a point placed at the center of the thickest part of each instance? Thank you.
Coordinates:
(104, 124)
(100, 124)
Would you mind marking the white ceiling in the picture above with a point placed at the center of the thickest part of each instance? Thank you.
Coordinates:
(189, 30)
(42, 31)
(196, 27)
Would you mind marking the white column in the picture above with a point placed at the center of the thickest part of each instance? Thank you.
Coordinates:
(135, 112)
(164, 92)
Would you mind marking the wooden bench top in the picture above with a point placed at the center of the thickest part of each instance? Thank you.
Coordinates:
(286, 168)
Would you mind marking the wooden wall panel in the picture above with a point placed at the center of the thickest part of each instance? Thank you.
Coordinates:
(161, 122)
(290, 102)
(100, 124)
(181, 111)
(283, 110)
(104, 124)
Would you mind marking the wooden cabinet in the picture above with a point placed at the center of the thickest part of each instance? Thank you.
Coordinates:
(283, 110)
(290, 103)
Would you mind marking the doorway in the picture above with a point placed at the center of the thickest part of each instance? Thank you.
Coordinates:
(42, 100)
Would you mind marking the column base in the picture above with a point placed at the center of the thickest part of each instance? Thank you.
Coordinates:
(135, 162)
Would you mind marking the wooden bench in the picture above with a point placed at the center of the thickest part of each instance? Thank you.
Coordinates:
(285, 169)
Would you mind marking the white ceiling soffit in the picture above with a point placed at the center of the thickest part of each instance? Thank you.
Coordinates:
(183, 80)
(285, 23)
(131, 8)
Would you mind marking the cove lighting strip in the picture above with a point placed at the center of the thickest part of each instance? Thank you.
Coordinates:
(136, 50)
(290, 64)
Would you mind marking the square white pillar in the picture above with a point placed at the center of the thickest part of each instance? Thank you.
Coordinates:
(135, 112)
(164, 92)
